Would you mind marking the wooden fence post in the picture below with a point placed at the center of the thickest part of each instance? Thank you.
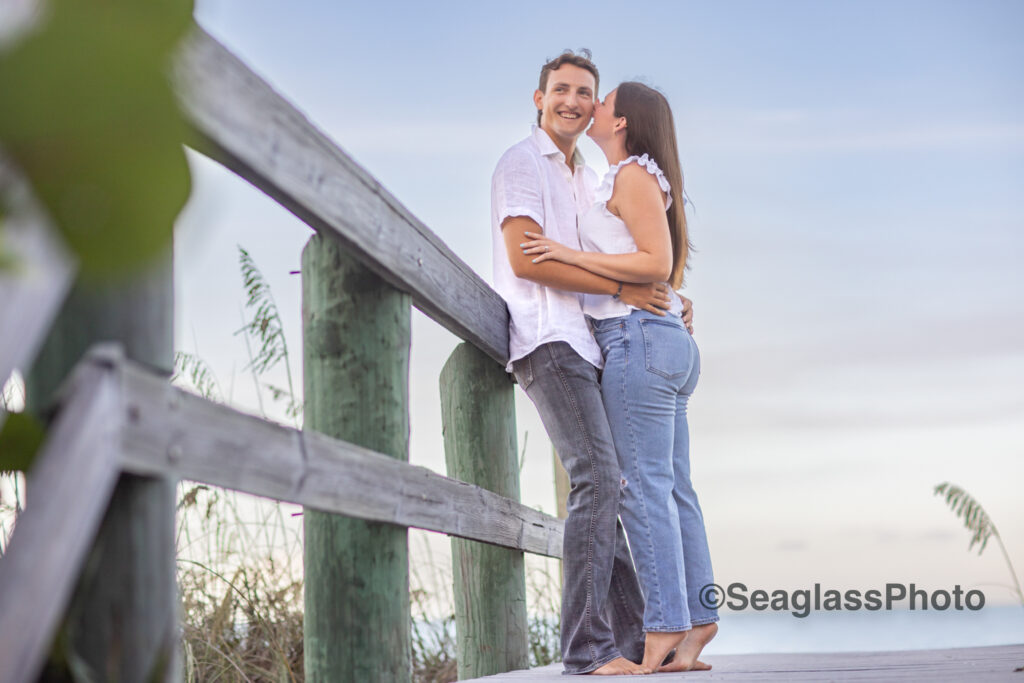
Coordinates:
(356, 337)
(122, 623)
(478, 415)
(561, 502)
(561, 485)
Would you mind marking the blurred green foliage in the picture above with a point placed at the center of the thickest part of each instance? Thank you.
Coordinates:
(20, 439)
(89, 117)
(7, 259)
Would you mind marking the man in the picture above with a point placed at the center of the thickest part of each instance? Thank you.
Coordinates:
(541, 185)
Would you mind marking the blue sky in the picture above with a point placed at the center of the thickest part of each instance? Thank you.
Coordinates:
(856, 173)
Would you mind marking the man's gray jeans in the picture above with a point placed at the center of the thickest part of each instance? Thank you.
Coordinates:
(602, 606)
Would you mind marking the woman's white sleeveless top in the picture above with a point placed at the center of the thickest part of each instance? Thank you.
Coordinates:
(604, 232)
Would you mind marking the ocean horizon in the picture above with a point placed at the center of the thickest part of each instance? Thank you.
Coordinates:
(852, 631)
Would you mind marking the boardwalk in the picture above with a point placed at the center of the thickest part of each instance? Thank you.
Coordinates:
(964, 664)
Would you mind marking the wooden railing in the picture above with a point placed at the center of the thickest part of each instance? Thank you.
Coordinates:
(115, 416)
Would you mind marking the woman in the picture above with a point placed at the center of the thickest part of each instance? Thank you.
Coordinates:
(636, 232)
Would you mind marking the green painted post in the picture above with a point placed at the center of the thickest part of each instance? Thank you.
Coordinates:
(122, 623)
(561, 501)
(478, 414)
(356, 336)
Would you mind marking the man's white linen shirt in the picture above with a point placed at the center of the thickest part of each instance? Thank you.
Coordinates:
(532, 180)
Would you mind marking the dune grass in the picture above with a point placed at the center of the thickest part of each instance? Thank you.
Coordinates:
(240, 580)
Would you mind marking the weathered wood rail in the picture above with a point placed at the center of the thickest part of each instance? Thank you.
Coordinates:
(115, 417)
(251, 129)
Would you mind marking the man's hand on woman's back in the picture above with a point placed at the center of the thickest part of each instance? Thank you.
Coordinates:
(654, 297)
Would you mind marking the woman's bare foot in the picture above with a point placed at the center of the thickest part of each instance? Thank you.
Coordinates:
(698, 665)
(620, 666)
(657, 646)
(690, 648)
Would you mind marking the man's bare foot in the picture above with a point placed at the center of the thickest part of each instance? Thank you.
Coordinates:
(657, 645)
(620, 666)
(690, 648)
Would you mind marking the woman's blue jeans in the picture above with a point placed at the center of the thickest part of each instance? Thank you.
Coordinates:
(651, 366)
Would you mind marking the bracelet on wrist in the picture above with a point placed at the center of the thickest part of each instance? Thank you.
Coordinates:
(616, 294)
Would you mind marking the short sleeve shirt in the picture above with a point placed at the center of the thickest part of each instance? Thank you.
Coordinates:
(533, 180)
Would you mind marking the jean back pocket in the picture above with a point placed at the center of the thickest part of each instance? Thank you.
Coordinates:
(666, 348)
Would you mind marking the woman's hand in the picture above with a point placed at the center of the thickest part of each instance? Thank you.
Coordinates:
(549, 250)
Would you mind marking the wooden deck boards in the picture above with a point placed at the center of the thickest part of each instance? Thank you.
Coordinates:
(962, 664)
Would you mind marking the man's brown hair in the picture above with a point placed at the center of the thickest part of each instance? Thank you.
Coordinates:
(581, 59)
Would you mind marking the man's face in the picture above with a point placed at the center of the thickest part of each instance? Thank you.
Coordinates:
(568, 103)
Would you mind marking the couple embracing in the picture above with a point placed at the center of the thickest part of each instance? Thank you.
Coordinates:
(601, 344)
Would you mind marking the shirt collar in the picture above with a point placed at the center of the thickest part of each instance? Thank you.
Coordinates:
(549, 148)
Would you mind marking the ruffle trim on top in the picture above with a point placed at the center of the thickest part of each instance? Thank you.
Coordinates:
(604, 192)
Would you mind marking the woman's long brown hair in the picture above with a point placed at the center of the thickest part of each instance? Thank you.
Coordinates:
(651, 130)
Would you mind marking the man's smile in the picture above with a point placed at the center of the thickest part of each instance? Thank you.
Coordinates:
(572, 116)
